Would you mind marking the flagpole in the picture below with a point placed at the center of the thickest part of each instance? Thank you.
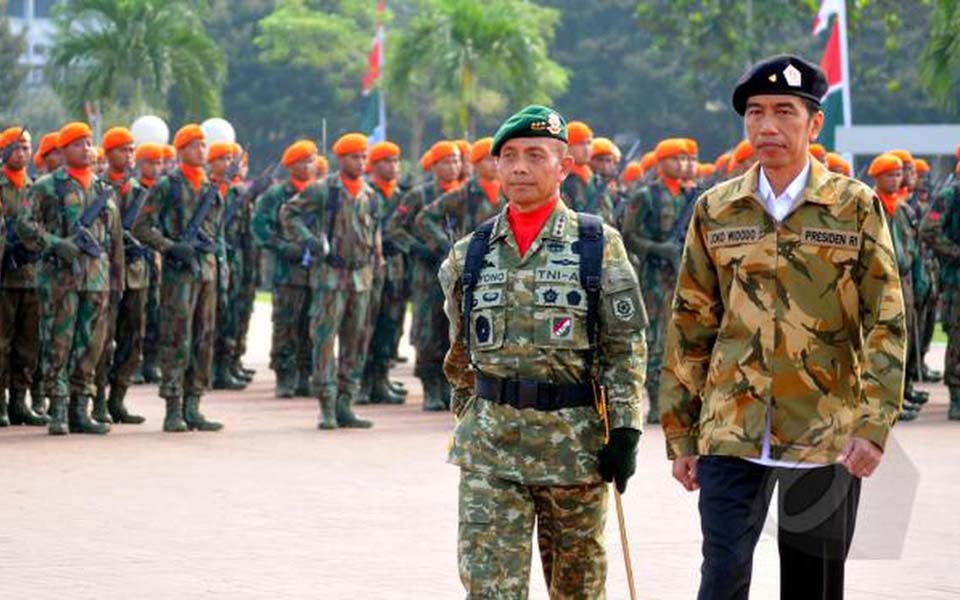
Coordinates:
(845, 65)
(382, 108)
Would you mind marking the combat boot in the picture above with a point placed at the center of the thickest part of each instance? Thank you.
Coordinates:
(38, 401)
(151, 373)
(432, 394)
(58, 417)
(915, 396)
(304, 387)
(397, 387)
(238, 372)
(223, 380)
(380, 392)
(173, 421)
(79, 417)
(20, 412)
(328, 414)
(195, 419)
(930, 375)
(653, 394)
(285, 386)
(4, 416)
(908, 413)
(954, 413)
(137, 378)
(117, 408)
(99, 412)
(345, 416)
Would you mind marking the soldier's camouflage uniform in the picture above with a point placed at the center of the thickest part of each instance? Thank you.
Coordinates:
(913, 278)
(341, 293)
(802, 319)
(73, 297)
(188, 301)
(291, 347)
(942, 228)
(521, 467)
(595, 197)
(649, 219)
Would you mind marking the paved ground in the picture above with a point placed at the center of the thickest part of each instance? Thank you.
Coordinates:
(273, 508)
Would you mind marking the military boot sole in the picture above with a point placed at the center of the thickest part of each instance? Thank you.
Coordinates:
(283, 393)
(128, 419)
(175, 426)
(205, 426)
(58, 429)
(356, 424)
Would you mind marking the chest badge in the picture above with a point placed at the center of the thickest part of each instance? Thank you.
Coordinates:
(483, 329)
(561, 328)
(624, 309)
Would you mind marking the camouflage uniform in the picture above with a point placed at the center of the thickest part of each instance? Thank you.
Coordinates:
(428, 332)
(596, 197)
(802, 319)
(649, 219)
(291, 347)
(19, 307)
(151, 336)
(520, 467)
(449, 218)
(73, 297)
(188, 300)
(341, 284)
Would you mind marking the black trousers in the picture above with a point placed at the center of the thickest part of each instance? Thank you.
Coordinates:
(817, 515)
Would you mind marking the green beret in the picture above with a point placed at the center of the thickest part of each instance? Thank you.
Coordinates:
(532, 121)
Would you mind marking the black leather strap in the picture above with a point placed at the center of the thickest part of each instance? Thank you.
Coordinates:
(529, 393)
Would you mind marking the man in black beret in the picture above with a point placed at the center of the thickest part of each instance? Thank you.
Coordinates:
(785, 348)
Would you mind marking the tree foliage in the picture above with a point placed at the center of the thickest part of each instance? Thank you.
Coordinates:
(12, 71)
(940, 63)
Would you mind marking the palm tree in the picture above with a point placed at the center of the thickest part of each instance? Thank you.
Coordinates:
(136, 53)
(477, 56)
(940, 62)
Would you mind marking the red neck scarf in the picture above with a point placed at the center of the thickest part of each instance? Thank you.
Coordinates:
(222, 186)
(82, 175)
(385, 187)
(889, 202)
(582, 171)
(17, 178)
(491, 188)
(194, 176)
(527, 225)
(448, 186)
(671, 184)
(300, 184)
(353, 186)
(147, 182)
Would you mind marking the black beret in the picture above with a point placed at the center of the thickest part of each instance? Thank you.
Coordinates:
(783, 74)
(532, 121)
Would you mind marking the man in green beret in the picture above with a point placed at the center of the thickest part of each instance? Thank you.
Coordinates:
(547, 356)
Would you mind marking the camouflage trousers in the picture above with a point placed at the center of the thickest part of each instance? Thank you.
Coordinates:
(430, 331)
(188, 311)
(658, 300)
(243, 306)
(123, 351)
(497, 519)
(291, 350)
(229, 314)
(338, 316)
(951, 325)
(77, 325)
(151, 334)
(19, 337)
(387, 323)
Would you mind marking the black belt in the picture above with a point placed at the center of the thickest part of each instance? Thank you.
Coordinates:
(538, 395)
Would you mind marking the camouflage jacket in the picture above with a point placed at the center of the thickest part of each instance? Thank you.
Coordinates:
(163, 221)
(48, 218)
(941, 229)
(452, 216)
(532, 314)
(353, 234)
(393, 256)
(804, 318)
(595, 197)
(241, 252)
(905, 233)
(130, 193)
(11, 201)
(649, 218)
(269, 236)
(400, 230)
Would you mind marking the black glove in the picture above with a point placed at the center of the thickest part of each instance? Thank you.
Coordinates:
(66, 249)
(182, 252)
(618, 459)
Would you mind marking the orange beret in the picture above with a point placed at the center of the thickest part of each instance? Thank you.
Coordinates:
(578, 132)
(48, 143)
(219, 150)
(480, 149)
(884, 164)
(705, 170)
(148, 151)
(722, 161)
(648, 161)
(464, 147)
(818, 151)
(904, 156)
(601, 146)
(442, 150)
(186, 134)
(72, 132)
(426, 161)
(169, 152)
(743, 151)
(297, 151)
(350, 143)
(921, 165)
(834, 162)
(633, 171)
(12, 136)
(693, 148)
(115, 137)
(323, 164)
(382, 150)
(670, 147)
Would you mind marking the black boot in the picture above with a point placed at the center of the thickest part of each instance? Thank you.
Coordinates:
(38, 401)
(79, 417)
(151, 373)
(396, 387)
(954, 413)
(99, 412)
(432, 394)
(328, 414)
(930, 375)
(345, 416)
(20, 412)
(380, 392)
(238, 372)
(915, 396)
(194, 418)
(286, 384)
(4, 415)
(304, 389)
(58, 417)
(137, 378)
(173, 421)
(117, 408)
(223, 380)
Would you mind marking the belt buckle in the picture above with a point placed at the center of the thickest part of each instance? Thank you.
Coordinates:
(528, 393)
